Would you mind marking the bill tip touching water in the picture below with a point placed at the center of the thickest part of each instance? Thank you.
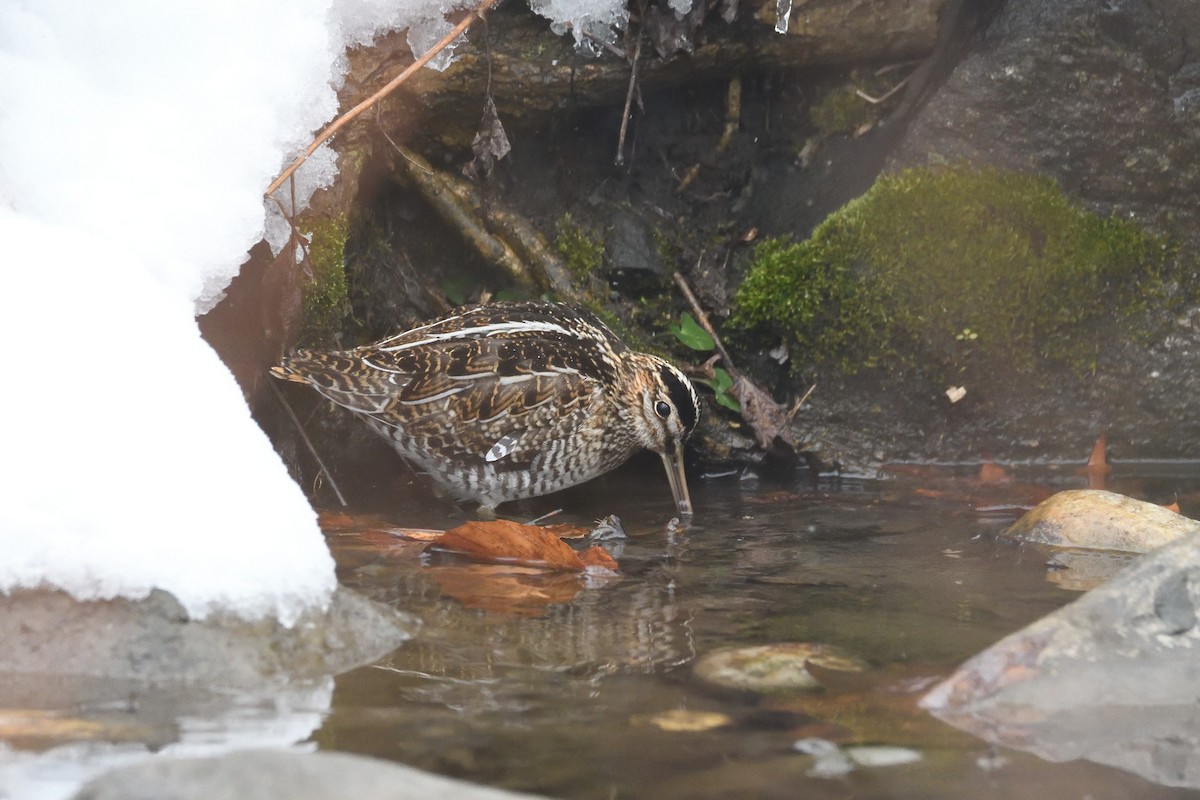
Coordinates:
(510, 400)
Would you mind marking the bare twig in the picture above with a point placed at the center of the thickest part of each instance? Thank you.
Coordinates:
(633, 68)
(884, 96)
(344, 119)
(796, 406)
(308, 442)
(702, 318)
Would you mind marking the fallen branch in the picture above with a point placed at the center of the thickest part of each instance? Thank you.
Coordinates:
(500, 235)
(345, 119)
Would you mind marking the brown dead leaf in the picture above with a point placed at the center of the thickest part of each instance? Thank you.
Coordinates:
(597, 557)
(335, 520)
(506, 542)
(342, 522)
(565, 530)
(506, 589)
(490, 144)
(760, 411)
(1173, 507)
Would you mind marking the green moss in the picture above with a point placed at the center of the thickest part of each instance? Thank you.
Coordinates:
(582, 251)
(953, 267)
(326, 297)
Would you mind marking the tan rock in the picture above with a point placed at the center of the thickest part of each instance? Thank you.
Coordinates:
(1093, 519)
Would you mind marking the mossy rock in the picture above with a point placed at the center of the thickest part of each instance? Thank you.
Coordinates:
(581, 250)
(326, 294)
(941, 270)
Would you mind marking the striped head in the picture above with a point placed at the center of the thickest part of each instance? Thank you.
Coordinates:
(661, 409)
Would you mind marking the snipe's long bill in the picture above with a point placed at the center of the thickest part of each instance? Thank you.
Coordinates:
(510, 400)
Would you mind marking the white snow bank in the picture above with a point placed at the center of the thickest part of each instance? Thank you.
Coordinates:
(130, 458)
(135, 142)
(136, 139)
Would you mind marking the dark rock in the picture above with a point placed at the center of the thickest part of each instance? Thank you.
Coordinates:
(1111, 678)
(1089, 93)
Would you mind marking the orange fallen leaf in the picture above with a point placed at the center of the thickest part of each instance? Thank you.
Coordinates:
(342, 522)
(1173, 507)
(564, 530)
(596, 556)
(504, 542)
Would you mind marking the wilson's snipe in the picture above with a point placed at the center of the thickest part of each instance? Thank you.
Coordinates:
(511, 400)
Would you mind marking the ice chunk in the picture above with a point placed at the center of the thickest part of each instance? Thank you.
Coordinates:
(589, 21)
(317, 172)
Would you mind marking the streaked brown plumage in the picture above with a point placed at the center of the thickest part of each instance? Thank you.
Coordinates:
(511, 400)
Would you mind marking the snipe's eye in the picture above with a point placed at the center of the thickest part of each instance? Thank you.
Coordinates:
(662, 409)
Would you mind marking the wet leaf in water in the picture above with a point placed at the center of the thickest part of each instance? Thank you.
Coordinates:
(343, 522)
(31, 727)
(565, 530)
(505, 542)
(596, 557)
(506, 589)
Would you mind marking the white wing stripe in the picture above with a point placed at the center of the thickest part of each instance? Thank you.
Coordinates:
(482, 330)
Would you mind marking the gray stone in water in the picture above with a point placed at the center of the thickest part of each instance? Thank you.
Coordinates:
(152, 641)
(1112, 677)
(271, 775)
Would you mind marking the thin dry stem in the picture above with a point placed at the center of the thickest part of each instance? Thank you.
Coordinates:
(308, 442)
(637, 55)
(702, 318)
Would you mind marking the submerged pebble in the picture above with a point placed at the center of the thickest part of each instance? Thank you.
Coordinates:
(773, 667)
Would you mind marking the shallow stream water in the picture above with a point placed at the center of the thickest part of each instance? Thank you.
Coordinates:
(587, 688)
(575, 698)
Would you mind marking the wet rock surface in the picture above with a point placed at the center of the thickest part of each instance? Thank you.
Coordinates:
(1095, 519)
(152, 641)
(1101, 97)
(267, 775)
(1111, 678)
